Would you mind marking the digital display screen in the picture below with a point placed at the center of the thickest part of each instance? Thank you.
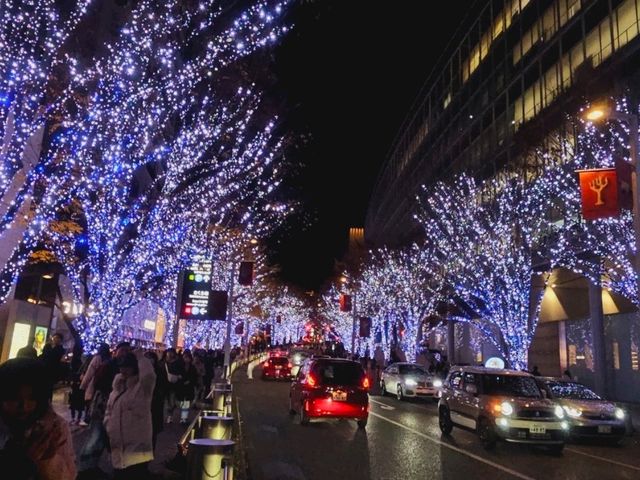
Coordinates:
(196, 287)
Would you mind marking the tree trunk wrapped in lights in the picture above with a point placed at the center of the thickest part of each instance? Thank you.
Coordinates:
(483, 254)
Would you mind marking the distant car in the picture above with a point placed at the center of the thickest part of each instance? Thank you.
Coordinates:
(277, 353)
(589, 415)
(276, 368)
(503, 405)
(330, 388)
(404, 379)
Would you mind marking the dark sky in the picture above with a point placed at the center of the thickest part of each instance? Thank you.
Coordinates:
(349, 72)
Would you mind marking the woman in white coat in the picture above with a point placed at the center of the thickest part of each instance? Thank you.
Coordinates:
(128, 417)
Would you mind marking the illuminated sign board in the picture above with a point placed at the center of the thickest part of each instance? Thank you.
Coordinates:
(196, 289)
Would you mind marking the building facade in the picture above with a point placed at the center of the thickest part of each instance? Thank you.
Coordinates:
(513, 75)
(513, 72)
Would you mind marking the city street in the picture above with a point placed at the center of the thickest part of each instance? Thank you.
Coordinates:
(402, 440)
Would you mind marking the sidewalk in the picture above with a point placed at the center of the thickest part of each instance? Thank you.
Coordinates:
(165, 448)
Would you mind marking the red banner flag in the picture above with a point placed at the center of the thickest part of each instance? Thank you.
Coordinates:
(599, 193)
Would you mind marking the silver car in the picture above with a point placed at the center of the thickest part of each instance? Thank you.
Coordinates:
(589, 415)
(405, 379)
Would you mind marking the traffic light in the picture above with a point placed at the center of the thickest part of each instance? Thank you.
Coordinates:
(246, 274)
(345, 303)
(218, 304)
(365, 327)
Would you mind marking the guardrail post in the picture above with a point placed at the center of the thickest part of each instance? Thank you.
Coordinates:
(221, 397)
(217, 428)
(209, 459)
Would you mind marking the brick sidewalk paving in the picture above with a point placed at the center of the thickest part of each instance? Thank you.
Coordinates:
(165, 448)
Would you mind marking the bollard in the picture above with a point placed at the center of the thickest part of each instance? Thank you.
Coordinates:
(222, 398)
(209, 459)
(216, 428)
(211, 413)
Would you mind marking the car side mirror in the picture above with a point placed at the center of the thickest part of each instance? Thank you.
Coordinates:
(472, 389)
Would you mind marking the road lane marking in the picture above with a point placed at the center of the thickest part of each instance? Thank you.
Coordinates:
(604, 459)
(384, 406)
(455, 449)
(387, 407)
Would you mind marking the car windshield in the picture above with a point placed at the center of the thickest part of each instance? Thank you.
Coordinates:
(338, 373)
(510, 385)
(571, 390)
(411, 369)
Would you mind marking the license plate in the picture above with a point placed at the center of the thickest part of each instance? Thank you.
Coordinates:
(339, 396)
(538, 429)
(604, 428)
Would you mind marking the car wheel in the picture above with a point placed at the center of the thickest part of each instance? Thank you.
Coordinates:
(399, 393)
(304, 419)
(383, 389)
(486, 434)
(444, 421)
(362, 423)
(556, 449)
(292, 411)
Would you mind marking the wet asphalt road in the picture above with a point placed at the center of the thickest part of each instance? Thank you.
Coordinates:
(402, 441)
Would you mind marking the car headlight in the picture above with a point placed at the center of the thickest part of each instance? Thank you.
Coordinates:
(437, 383)
(410, 382)
(573, 412)
(506, 408)
(559, 411)
(619, 413)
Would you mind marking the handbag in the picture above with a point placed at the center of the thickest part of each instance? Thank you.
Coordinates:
(172, 377)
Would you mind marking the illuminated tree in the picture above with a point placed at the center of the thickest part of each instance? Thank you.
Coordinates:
(482, 252)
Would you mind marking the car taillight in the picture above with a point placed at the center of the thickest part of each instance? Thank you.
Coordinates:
(311, 380)
(365, 383)
(289, 365)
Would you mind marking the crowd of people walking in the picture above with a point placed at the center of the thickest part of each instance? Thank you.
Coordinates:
(123, 397)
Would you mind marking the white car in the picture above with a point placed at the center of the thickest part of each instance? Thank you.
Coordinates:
(405, 379)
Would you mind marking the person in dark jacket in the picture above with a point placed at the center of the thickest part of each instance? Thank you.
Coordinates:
(172, 371)
(187, 386)
(159, 394)
(28, 351)
(52, 354)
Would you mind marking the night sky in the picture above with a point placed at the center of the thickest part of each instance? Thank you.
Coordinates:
(349, 71)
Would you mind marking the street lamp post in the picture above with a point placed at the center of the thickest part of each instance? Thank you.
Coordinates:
(605, 112)
(227, 340)
(353, 325)
(598, 113)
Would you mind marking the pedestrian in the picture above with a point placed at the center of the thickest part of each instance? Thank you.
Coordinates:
(198, 362)
(39, 444)
(157, 401)
(77, 401)
(52, 354)
(128, 417)
(28, 351)
(535, 371)
(172, 366)
(187, 386)
(97, 440)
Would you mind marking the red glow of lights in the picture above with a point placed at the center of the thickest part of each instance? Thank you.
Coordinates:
(366, 383)
(311, 380)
